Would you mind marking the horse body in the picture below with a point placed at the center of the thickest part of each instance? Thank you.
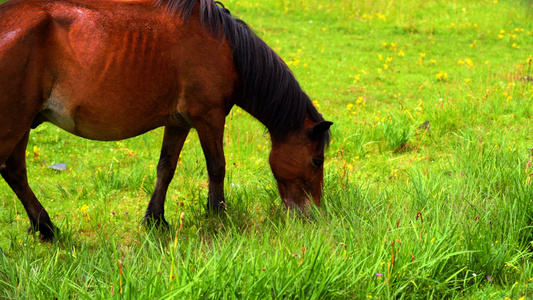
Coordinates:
(110, 70)
(107, 74)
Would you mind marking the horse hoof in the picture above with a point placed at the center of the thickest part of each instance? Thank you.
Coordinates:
(46, 237)
(156, 221)
(46, 233)
(216, 208)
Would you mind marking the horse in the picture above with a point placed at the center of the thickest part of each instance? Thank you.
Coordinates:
(114, 69)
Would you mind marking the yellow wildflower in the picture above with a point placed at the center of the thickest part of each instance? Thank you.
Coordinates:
(442, 76)
(84, 208)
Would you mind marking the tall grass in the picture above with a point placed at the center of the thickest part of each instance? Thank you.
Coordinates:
(427, 180)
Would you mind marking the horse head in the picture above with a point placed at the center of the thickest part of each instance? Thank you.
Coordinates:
(297, 162)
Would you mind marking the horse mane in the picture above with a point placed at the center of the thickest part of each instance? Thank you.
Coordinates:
(270, 92)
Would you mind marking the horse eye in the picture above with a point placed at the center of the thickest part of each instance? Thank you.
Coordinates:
(318, 162)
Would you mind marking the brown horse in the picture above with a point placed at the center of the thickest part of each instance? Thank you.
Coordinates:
(110, 70)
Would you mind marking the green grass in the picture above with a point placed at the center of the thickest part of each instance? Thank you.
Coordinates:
(427, 181)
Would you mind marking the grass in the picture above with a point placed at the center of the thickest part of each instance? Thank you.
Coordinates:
(427, 180)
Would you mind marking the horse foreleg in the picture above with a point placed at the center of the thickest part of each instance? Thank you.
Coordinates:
(170, 152)
(14, 173)
(211, 134)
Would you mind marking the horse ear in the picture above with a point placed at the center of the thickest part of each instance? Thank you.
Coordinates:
(321, 128)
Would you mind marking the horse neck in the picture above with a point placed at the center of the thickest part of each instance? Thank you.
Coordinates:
(270, 92)
(280, 116)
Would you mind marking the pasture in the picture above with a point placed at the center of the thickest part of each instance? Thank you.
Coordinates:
(427, 182)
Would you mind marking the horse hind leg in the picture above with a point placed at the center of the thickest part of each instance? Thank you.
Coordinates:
(15, 174)
(173, 141)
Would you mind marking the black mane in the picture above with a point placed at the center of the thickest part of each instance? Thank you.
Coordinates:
(270, 91)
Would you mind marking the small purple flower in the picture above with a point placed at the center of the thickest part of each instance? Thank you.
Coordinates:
(126, 213)
(489, 278)
(379, 274)
(113, 212)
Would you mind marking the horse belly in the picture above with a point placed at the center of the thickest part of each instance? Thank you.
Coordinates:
(97, 119)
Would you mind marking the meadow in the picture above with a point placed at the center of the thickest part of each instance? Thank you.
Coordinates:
(428, 191)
